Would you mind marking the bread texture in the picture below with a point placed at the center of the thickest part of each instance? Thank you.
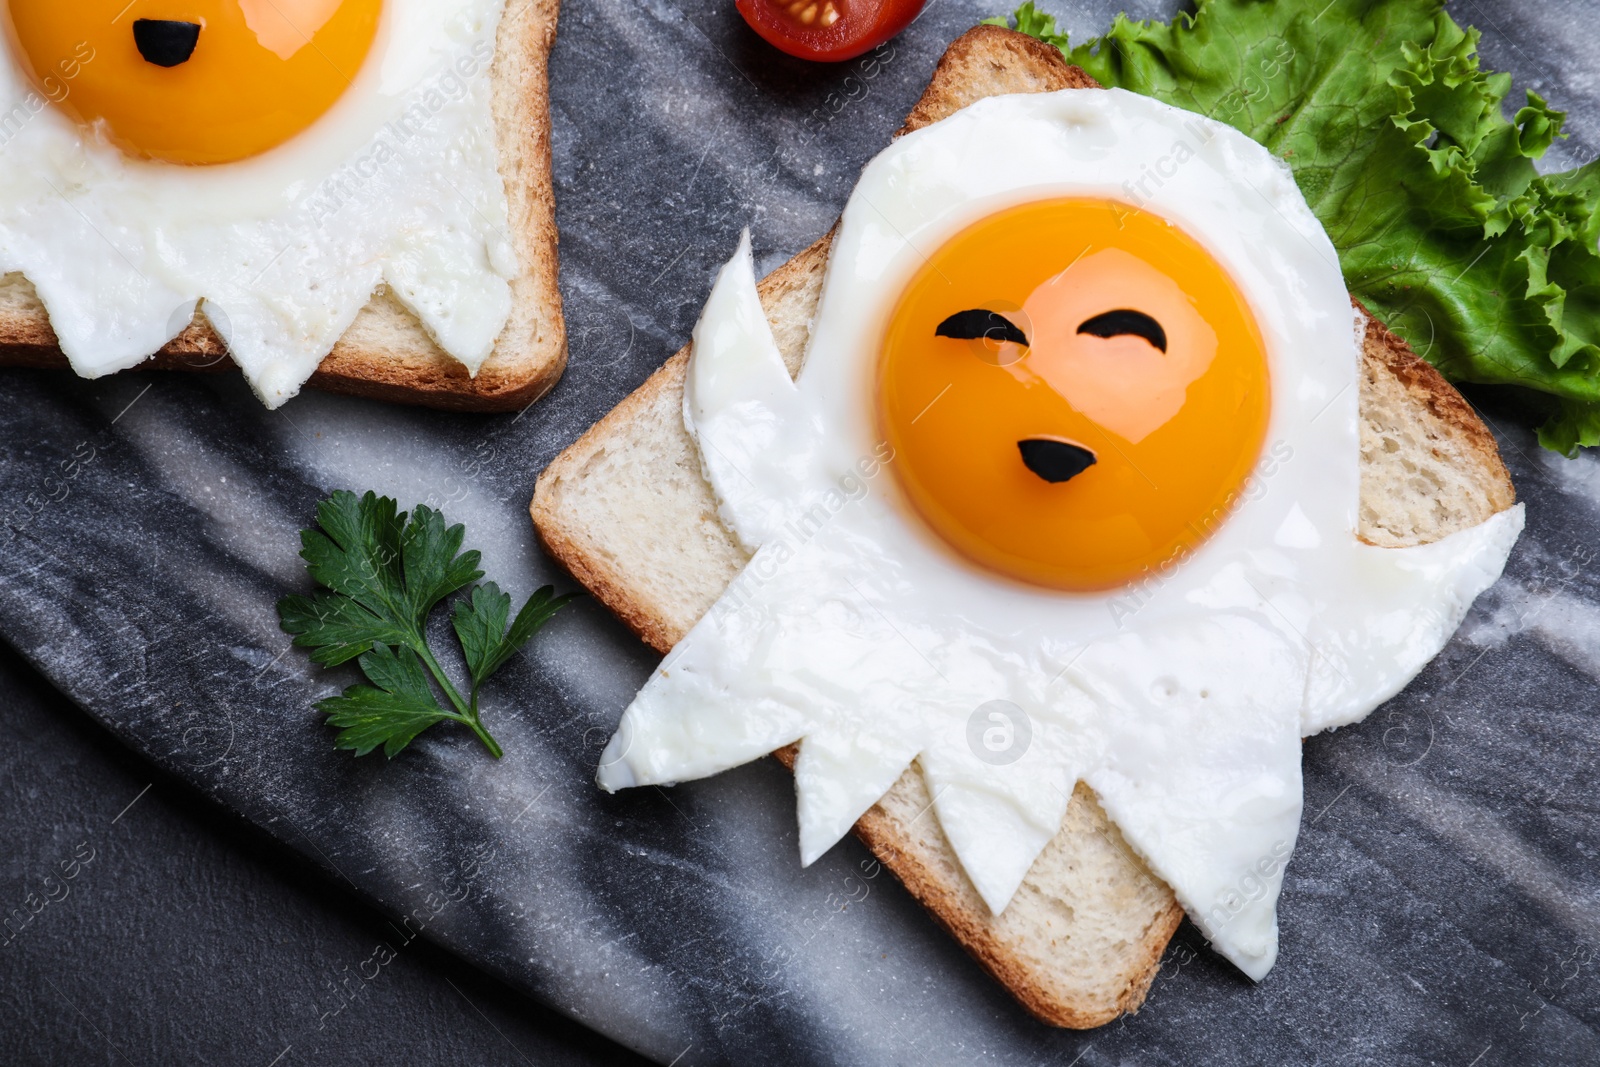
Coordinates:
(626, 509)
(386, 353)
(1422, 478)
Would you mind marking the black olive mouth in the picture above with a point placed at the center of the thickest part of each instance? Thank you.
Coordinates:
(166, 42)
(1054, 460)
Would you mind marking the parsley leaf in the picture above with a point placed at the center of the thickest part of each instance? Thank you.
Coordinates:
(433, 562)
(1400, 143)
(480, 624)
(392, 711)
(384, 572)
(336, 627)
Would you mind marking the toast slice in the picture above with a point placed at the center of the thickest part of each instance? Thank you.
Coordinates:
(386, 353)
(626, 510)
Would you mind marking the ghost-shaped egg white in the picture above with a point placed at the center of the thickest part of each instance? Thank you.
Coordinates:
(901, 603)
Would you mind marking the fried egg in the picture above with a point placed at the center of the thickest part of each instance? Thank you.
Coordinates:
(270, 163)
(1066, 491)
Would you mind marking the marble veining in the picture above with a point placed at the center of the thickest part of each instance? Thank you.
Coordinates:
(1443, 905)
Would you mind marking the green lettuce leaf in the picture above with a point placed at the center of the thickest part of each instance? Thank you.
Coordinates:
(1400, 143)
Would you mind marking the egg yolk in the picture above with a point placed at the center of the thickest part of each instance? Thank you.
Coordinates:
(194, 81)
(1075, 391)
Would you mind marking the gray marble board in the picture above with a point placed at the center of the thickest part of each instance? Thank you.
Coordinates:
(1443, 906)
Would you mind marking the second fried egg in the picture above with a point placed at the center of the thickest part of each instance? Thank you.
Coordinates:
(269, 165)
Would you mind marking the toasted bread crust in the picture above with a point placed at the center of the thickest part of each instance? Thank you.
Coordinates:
(986, 61)
(1449, 408)
(567, 544)
(992, 61)
(973, 928)
(975, 932)
(387, 354)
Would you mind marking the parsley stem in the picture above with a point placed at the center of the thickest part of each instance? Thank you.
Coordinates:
(468, 712)
(477, 724)
(483, 735)
(421, 649)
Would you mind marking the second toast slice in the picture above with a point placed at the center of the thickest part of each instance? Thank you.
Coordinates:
(386, 353)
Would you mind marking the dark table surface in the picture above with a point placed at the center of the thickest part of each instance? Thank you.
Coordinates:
(218, 912)
(189, 936)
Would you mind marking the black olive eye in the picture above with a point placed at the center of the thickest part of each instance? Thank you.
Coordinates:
(977, 324)
(1114, 323)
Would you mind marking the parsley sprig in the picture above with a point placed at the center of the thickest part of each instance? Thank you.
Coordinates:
(383, 573)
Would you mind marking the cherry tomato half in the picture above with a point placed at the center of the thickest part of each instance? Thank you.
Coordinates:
(828, 30)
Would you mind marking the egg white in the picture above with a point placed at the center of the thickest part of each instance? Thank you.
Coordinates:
(397, 184)
(1181, 700)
